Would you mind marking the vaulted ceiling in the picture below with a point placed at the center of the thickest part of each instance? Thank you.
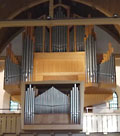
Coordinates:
(20, 9)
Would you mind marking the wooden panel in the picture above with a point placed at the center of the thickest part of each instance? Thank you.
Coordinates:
(60, 22)
(18, 124)
(53, 127)
(52, 119)
(67, 77)
(93, 99)
(51, 11)
(13, 124)
(13, 89)
(96, 90)
(59, 64)
(16, 98)
(8, 124)
(91, 123)
(108, 87)
(3, 124)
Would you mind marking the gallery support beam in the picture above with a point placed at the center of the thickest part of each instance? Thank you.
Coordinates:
(61, 22)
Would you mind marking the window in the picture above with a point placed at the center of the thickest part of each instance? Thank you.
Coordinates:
(114, 103)
(14, 106)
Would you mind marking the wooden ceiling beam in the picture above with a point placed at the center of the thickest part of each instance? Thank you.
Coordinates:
(81, 21)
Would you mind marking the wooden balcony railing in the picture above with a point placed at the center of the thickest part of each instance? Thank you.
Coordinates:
(10, 123)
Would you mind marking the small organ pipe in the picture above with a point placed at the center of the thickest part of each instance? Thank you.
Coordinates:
(88, 59)
(106, 71)
(95, 61)
(12, 71)
(77, 105)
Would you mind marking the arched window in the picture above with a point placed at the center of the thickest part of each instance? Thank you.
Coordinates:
(114, 103)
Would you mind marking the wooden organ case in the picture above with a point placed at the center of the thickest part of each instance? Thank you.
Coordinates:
(52, 105)
(56, 60)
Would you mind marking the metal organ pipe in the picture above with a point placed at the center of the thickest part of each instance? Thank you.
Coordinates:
(50, 102)
(106, 71)
(113, 69)
(27, 56)
(27, 51)
(91, 61)
(74, 107)
(12, 70)
(59, 40)
(95, 59)
(87, 60)
(29, 105)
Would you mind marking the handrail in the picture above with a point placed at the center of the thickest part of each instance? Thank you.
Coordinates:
(10, 110)
(91, 108)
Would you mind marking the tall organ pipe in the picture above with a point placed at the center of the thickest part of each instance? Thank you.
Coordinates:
(91, 61)
(29, 105)
(74, 107)
(27, 56)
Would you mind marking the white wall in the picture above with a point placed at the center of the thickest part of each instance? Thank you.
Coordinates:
(4, 96)
(100, 108)
(118, 79)
(16, 46)
(103, 38)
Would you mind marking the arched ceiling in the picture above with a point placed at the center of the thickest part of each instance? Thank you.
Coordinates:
(12, 9)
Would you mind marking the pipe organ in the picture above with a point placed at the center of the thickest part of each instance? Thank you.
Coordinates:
(55, 62)
(58, 103)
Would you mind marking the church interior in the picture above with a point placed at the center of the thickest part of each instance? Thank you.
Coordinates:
(59, 68)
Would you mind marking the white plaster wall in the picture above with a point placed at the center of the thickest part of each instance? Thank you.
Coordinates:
(16, 46)
(103, 38)
(4, 96)
(102, 108)
(118, 79)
